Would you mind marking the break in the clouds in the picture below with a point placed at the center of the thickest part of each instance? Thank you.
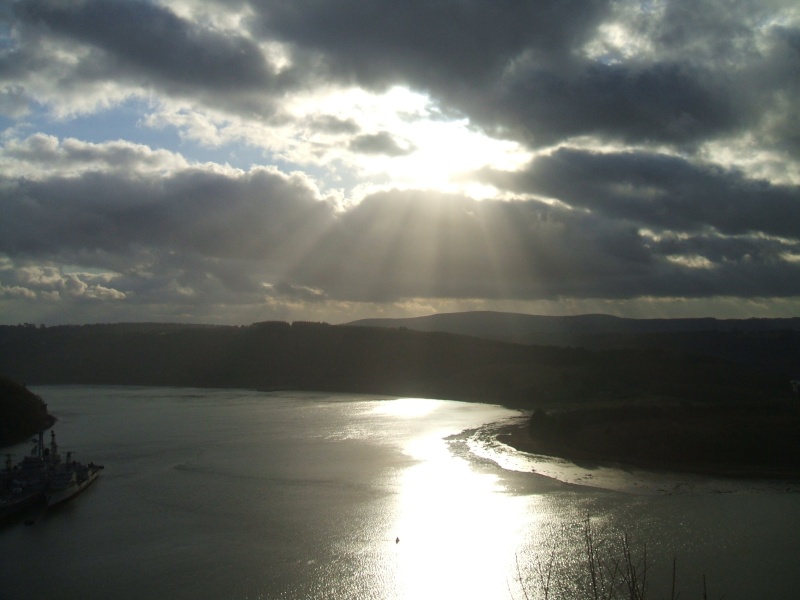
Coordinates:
(233, 161)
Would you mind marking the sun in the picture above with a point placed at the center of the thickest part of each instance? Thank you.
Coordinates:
(445, 153)
(421, 146)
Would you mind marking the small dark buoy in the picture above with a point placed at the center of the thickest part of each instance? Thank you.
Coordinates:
(397, 540)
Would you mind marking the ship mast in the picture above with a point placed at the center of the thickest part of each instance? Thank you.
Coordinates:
(38, 449)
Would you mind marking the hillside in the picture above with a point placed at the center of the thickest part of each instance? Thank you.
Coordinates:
(22, 413)
(278, 355)
(766, 344)
(517, 327)
(740, 440)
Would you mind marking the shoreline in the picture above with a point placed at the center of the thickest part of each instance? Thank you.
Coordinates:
(516, 436)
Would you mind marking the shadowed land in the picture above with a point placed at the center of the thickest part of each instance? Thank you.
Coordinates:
(644, 405)
(22, 413)
(754, 440)
(316, 356)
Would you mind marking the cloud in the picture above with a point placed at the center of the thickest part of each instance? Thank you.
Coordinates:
(202, 238)
(411, 244)
(664, 137)
(45, 155)
(701, 70)
(17, 291)
(661, 103)
(332, 125)
(258, 215)
(423, 42)
(52, 283)
(380, 143)
(13, 101)
(146, 38)
(295, 292)
(652, 73)
(673, 73)
(661, 192)
(80, 56)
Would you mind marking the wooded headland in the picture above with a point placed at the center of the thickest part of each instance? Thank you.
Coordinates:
(22, 413)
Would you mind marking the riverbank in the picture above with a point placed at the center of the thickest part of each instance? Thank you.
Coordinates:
(758, 442)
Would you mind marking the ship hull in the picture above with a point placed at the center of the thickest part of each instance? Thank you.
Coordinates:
(11, 507)
(54, 497)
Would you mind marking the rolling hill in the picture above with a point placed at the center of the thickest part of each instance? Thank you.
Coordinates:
(315, 356)
(766, 344)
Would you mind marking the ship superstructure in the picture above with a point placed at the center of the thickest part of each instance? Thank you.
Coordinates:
(42, 477)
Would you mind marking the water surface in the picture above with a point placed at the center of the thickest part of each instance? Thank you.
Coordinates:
(239, 494)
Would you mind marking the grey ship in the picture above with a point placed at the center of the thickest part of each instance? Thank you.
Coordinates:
(43, 478)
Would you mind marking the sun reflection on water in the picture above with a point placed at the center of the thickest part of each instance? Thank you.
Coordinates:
(455, 527)
(407, 408)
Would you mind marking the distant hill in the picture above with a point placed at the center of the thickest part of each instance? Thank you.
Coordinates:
(315, 356)
(771, 344)
(522, 328)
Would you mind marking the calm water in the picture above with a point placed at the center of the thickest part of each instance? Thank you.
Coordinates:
(228, 494)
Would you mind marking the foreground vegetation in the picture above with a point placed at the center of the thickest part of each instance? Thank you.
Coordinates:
(609, 569)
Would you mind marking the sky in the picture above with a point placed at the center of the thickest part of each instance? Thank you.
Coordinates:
(235, 161)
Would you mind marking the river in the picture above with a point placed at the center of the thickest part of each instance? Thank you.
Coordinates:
(235, 494)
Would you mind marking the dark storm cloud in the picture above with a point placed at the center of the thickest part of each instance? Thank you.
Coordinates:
(711, 69)
(422, 42)
(522, 67)
(663, 192)
(142, 39)
(403, 244)
(715, 30)
(190, 243)
(673, 96)
(201, 238)
(261, 215)
(658, 103)
(633, 222)
(720, 250)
